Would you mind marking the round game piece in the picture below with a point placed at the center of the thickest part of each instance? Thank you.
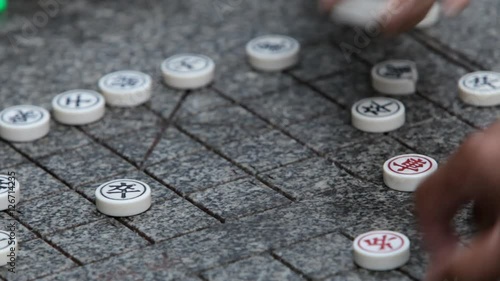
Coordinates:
(359, 13)
(8, 247)
(481, 88)
(395, 77)
(23, 123)
(273, 52)
(378, 115)
(381, 250)
(126, 88)
(10, 193)
(78, 107)
(431, 18)
(123, 198)
(406, 172)
(188, 71)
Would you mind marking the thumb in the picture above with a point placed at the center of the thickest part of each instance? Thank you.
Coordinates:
(403, 15)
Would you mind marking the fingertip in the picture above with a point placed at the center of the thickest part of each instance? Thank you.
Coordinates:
(392, 29)
(404, 15)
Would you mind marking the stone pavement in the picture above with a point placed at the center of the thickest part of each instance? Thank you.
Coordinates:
(257, 177)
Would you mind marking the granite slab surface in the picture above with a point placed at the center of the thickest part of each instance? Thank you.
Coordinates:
(258, 176)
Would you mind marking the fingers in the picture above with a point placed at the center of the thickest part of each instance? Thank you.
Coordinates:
(436, 205)
(408, 13)
(470, 174)
(478, 262)
(454, 7)
(440, 196)
(403, 15)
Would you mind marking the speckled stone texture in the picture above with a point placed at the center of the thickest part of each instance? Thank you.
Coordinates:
(318, 61)
(36, 259)
(163, 102)
(366, 159)
(239, 198)
(258, 176)
(169, 219)
(96, 241)
(9, 156)
(85, 164)
(305, 178)
(239, 81)
(365, 275)
(320, 257)
(201, 101)
(236, 240)
(196, 171)
(60, 138)
(224, 125)
(130, 266)
(117, 121)
(57, 212)
(289, 106)
(8, 222)
(317, 133)
(437, 138)
(155, 144)
(35, 182)
(255, 268)
(267, 151)
(482, 20)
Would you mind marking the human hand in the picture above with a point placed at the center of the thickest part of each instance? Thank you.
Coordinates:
(471, 174)
(405, 14)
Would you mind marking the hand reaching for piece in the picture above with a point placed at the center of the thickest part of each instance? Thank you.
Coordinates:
(407, 13)
(471, 174)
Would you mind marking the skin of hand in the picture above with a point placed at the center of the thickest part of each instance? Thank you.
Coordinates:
(405, 14)
(470, 174)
